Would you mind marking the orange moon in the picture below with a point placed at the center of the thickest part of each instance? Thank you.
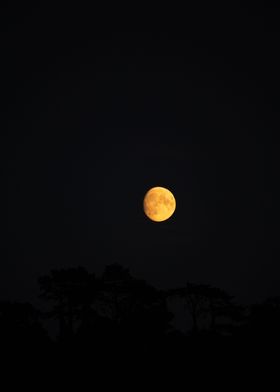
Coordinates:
(159, 204)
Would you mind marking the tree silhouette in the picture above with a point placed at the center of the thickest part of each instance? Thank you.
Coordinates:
(209, 307)
(106, 312)
(20, 325)
(138, 309)
(113, 299)
(263, 323)
(221, 309)
(194, 301)
(72, 292)
(125, 294)
(118, 313)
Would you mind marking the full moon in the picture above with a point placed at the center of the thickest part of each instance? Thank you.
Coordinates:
(159, 204)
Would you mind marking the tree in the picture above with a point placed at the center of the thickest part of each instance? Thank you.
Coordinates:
(136, 307)
(72, 291)
(194, 301)
(208, 305)
(264, 320)
(20, 324)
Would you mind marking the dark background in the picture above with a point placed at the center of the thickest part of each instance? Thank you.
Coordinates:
(95, 111)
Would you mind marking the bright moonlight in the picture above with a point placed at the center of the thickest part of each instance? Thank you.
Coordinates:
(159, 204)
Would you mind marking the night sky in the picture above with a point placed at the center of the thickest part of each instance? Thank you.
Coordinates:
(92, 117)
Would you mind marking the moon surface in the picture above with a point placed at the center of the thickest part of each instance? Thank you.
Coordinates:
(159, 204)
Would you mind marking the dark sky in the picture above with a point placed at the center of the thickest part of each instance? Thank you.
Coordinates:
(94, 116)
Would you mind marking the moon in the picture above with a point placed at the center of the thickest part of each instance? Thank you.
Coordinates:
(159, 204)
